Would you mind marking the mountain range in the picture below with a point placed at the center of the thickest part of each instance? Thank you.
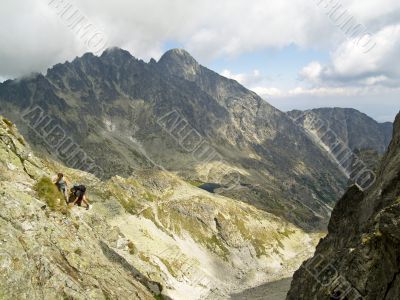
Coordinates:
(121, 115)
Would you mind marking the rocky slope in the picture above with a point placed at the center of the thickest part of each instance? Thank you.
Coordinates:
(360, 256)
(367, 138)
(351, 139)
(50, 255)
(146, 235)
(176, 115)
(354, 128)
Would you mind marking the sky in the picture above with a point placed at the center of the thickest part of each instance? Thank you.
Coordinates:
(296, 54)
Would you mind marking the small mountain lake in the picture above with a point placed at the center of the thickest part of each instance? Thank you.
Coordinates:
(210, 187)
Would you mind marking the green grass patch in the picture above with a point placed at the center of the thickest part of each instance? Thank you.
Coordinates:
(287, 232)
(128, 203)
(171, 266)
(371, 236)
(195, 183)
(8, 122)
(149, 196)
(21, 140)
(180, 223)
(49, 192)
(148, 214)
(132, 248)
(259, 237)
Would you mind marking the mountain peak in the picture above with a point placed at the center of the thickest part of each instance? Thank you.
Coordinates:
(178, 54)
(180, 63)
(117, 54)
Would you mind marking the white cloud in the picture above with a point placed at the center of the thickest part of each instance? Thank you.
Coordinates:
(268, 92)
(254, 81)
(34, 38)
(312, 72)
(350, 65)
(373, 80)
(366, 81)
(341, 91)
(246, 79)
(382, 111)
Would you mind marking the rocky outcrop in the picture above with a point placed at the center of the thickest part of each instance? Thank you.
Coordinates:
(360, 256)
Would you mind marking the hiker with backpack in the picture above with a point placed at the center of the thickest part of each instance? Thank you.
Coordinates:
(62, 185)
(78, 194)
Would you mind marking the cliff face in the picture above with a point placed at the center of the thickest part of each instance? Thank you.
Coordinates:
(360, 255)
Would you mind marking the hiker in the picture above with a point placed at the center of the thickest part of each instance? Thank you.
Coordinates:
(62, 185)
(78, 192)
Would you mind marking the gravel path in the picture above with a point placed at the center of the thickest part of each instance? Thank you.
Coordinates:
(276, 290)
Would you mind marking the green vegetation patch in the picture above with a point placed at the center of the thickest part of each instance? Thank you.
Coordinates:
(259, 237)
(148, 214)
(180, 223)
(149, 196)
(127, 202)
(370, 237)
(287, 232)
(171, 266)
(8, 122)
(21, 140)
(49, 192)
(132, 248)
(195, 183)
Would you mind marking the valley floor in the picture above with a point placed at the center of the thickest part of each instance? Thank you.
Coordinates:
(276, 290)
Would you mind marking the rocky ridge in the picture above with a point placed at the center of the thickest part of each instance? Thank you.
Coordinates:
(357, 130)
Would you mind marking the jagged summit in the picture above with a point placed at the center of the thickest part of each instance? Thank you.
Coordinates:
(179, 62)
(116, 52)
(176, 62)
(176, 55)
